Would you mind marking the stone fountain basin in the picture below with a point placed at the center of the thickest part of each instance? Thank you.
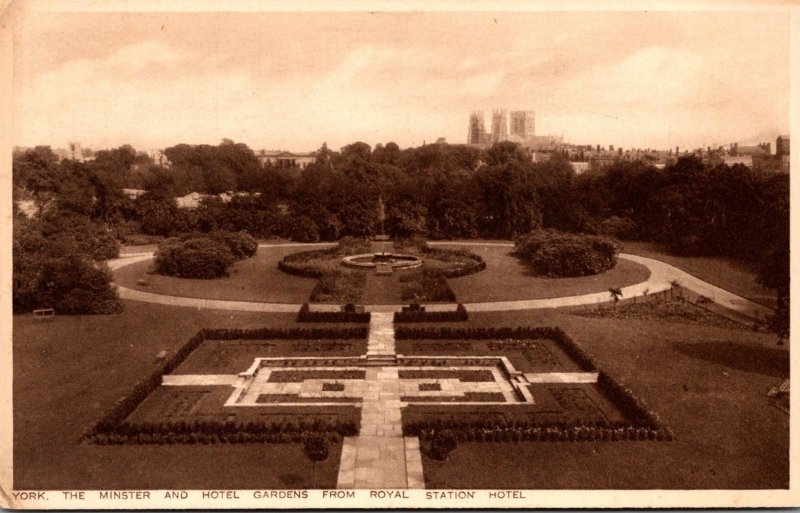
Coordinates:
(372, 260)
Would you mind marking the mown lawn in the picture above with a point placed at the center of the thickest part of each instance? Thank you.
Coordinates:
(253, 279)
(506, 278)
(708, 384)
(68, 371)
(725, 273)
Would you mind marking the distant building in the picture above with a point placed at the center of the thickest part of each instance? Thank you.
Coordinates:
(78, 153)
(782, 148)
(477, 130)
(782, 145)
(159, 158)
(732, 160)
(522, 131)
(579, 167)
(499, 126)
(523, 124)
(545, 143)
(133, 193)
(286, 159)
(191, 200)
(756, 149)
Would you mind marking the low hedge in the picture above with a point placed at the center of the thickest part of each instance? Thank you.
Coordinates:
(329, 333)
(470, 263)
(306, 264)
(459, 315)
(533, 432)
(306, 315)
(210, 432)
(559, 254)
(123, 407)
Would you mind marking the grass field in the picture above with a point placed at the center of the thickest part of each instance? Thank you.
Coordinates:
(68, 371)
(708, 385)
(725, 273)
(506, 278)
(253, 279)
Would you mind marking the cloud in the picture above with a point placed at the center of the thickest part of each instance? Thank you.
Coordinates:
(404, 77)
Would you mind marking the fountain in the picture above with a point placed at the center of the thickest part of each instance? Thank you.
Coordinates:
(382, 262)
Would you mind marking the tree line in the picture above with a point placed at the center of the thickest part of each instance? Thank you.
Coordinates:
(437, 191)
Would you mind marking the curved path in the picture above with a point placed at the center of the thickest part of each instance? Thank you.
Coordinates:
(662, 275)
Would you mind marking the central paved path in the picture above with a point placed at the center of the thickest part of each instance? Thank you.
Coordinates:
(380, 457)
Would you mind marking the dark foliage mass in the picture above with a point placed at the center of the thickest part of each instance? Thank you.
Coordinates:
(202, 256)
(435, 191)
(558, 254)
(55, 273)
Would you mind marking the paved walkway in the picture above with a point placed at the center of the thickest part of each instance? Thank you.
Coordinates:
(380, 457)
(662, 275)
(381, 335)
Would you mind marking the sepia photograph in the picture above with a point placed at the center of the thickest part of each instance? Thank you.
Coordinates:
(385, 255)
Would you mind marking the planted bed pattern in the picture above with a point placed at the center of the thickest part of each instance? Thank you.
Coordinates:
(384, 397)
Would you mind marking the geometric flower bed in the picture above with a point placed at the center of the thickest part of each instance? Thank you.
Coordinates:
(203, 420)
(587, 410)
(284, 385)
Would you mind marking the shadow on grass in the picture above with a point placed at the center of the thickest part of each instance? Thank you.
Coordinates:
(745, 357)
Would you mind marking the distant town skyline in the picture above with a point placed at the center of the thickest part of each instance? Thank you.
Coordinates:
(295, 80)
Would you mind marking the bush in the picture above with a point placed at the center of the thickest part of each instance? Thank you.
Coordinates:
(304, 229)
(410, 315)
(619, 228)
(89, 237)
(53, 273)
(305, 315)
(558, 254)
(442, 444)
(241, 244)
(197, 257)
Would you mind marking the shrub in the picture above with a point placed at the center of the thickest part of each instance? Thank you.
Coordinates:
(197, 257)
(411, 315)
(557, 254)
(89, 237)
(241, 244)
(619, 228)
(50, 273)
(315, 447)
(304, 229)
(306, 315)
(442, 444)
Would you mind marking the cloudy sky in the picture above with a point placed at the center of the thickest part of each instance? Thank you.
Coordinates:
(294, 80)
